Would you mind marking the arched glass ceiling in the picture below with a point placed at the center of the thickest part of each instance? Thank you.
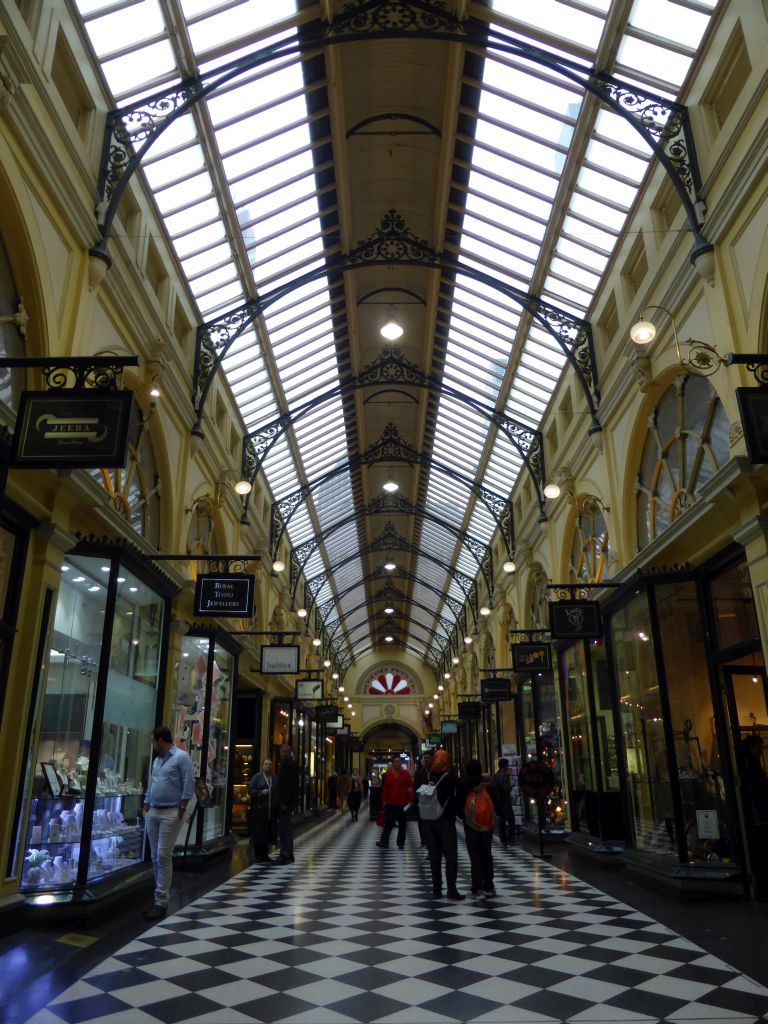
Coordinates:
(543, 179)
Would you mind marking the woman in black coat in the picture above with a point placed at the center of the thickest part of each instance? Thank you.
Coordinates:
(440, 833)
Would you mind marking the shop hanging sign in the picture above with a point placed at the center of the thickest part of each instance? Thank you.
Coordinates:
(471, 710)
(531, 657)
(335, 725)
(435, 739)
(753, 407)
(495, 689)
(309, 689)
(280, 659)
(449, 727)
(228, 594)
(72, 429)
(574, 620)
(356, 744)
(326, 712)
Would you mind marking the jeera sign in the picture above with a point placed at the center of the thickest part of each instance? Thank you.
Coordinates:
(224, 594)
(74, 429)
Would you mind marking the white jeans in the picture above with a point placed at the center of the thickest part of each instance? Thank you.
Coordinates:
(162, 824)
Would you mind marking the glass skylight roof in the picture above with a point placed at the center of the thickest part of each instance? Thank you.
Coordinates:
(539, 206)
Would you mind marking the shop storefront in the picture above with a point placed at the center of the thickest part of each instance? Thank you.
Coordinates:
(80, 832)
(201, 722)
(657, 720)
(538, 721)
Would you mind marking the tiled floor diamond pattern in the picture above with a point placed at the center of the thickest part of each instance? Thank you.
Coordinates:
(349, 934)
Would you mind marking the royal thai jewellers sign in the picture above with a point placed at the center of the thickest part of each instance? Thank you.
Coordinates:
(72, 429)
(225, 594)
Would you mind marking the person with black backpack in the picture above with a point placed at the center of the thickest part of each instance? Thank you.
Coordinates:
(502, 784)
(437, 811)
(480, 808)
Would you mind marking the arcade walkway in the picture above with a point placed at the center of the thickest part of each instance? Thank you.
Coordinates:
(349, 933)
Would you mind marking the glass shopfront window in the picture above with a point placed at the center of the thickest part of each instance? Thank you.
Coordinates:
(576, 715)
(201, 716)
(699, 762)
(94, 748)
(734, 607)
(642, 723)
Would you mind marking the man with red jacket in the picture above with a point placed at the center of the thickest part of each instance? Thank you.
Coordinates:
(397, 797)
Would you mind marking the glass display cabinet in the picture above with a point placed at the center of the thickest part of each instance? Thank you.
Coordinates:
(95, 713)
(201, 723)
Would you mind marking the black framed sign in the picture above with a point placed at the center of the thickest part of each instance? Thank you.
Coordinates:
(470, 710)
(531, 657)
(309, 689)
(335, 724)
(228, 594)
(326, 712)
(343, 731)
(495, 689)
(753, 406)
(571, 620)
(435, 739)
(356, 744)
(280, 659)
(81, 428)
(449, 727)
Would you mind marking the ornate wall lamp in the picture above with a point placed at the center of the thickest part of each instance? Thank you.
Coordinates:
(702, 358)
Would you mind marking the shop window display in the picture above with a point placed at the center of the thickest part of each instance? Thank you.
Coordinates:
(581, 754)
(708, 837)
(90, 741)
(642, 723)
(201, 716)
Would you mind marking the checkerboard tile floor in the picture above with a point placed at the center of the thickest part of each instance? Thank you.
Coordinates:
(350, 934)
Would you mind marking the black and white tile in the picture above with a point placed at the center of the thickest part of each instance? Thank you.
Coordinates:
(350, 934)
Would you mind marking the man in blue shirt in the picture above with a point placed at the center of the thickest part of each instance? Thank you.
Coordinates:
(171, 785)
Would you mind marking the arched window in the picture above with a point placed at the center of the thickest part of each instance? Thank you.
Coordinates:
(134, 491)
(589, 554)
(687, 443)
(389, 682)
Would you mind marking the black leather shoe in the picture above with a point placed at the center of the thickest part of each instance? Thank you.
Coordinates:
(284, 860)
(454, 894)
(156, 913)
(382, 846)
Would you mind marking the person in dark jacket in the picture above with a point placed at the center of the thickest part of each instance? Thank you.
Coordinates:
(287, 789)
(263, 811)
(441, 833)
(479, 843)
(502, 784)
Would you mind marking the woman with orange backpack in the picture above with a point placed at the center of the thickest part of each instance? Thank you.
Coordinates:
(479, 807)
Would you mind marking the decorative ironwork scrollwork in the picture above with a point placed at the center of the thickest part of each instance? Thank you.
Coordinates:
(665, 120)
(394, 16)
(100, 374)
(392, 242)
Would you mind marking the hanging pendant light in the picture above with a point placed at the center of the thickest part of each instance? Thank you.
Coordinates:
(391, 329)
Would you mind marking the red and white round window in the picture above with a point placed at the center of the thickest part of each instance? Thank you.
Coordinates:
(388, 682)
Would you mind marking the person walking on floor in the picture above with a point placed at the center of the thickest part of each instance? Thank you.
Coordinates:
(343, 790)
(287, 789)
(420, 776)
(479, 807)
(333, 781)
(439, 823)
(263, 812)
(355, 795)
(397, 797)
(171, 785)
(502, 785)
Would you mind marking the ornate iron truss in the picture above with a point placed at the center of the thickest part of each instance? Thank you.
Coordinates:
(387, 504)
(665, 125)
(100, 373)
(390, 540)
(390, 447)
(445, 624)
